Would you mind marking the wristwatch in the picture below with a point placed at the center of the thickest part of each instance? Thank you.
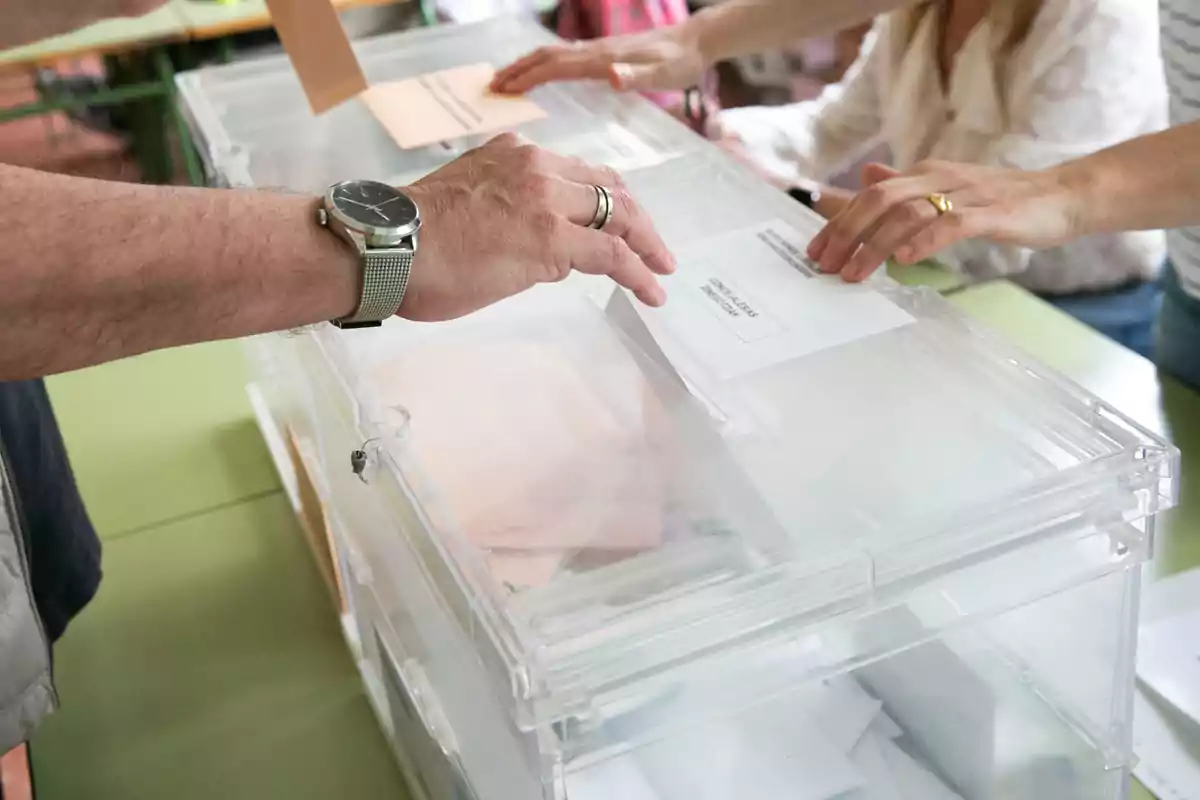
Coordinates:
(807, 197)
(380, 222)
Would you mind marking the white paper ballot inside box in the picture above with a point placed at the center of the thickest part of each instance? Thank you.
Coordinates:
(825, 741)
(1166, 735)
(1169, 661)
(749, 299)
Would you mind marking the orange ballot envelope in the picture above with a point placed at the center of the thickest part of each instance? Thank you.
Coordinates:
(319, 50)
(439, 106)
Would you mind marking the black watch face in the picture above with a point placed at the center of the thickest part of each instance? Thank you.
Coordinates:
(375, 204)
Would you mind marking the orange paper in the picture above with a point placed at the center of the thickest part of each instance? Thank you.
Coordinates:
(445, 105)
(319, 50)
(315, 522)
(523, 453)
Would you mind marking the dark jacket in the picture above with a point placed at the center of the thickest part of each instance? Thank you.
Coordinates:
(63, 550)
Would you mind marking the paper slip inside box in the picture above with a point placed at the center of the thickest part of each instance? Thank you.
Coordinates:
(1165, 739)
(1168, 749)
(445, 105)
(749, 299)
(1169, 661)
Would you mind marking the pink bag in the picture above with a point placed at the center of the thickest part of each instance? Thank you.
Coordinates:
(595, 19)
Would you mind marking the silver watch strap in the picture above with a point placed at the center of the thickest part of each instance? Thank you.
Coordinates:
(385, 279)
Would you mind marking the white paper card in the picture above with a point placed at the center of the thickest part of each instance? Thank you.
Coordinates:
(1166, 741)
(880, 783)
(617, 777)
(761, 754)
(1169, 660)
(885, 726)
(843, 711)
(750, 299)
(913, 780)
(1167, 746)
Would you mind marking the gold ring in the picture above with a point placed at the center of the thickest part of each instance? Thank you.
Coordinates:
(941, 203)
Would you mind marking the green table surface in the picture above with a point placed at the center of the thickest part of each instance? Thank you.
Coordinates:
(207, 19)
(211, 665)
(927, 273)
(1124, 379)
(162, 436)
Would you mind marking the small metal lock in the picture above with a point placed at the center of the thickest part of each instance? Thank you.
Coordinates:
(359, 460)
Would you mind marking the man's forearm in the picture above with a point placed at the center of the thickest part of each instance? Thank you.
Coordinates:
(1146, 183)
(743, 27)
(92, 271)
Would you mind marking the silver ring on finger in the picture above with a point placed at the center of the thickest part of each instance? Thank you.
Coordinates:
(604, 208)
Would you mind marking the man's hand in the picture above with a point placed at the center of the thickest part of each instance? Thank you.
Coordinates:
(509, 215)
(665, 58)
(894, 217)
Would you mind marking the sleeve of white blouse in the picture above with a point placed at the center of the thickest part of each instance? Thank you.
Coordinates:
(1089, 76)
(817, 138)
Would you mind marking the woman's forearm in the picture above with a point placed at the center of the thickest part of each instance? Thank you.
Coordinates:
(743, 27)
(1146, 183)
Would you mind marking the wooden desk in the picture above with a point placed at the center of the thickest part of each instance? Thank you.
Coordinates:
(205, 19)
(141, 77)
(109, 37)
(141, 69)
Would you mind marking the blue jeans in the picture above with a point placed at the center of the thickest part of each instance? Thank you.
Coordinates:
(1126, 314)
(1177, 344)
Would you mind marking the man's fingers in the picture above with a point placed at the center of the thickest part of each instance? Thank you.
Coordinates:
(629, 221)
(597, 253)
(579, 202)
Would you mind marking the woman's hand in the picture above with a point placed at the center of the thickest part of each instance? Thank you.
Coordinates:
(894, 216)
(666, 58)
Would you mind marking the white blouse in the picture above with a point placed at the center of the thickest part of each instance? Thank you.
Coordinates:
(1089, 75)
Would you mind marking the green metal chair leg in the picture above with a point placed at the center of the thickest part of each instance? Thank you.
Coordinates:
(191, 163)
(429, 15)
(147, 118)
(225, 49)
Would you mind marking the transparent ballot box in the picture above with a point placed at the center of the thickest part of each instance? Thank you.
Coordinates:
(783, 538)
(253, 127)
